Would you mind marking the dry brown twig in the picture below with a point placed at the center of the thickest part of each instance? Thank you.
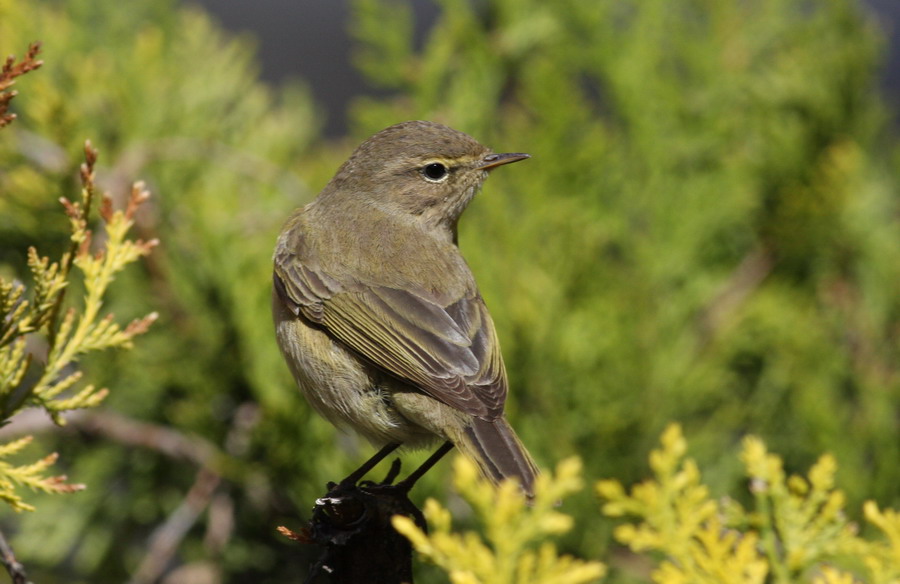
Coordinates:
(8, 75)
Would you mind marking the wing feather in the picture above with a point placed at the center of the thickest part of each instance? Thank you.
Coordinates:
(448, 351)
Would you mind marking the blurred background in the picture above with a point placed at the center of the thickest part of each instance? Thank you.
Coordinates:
(708, 233)
(310, 39)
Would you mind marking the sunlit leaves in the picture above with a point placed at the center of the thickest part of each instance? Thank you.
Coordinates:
(66, 332)
(797, 528)
(515, 547)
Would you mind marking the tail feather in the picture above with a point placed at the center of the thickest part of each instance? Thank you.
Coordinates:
(498, 452)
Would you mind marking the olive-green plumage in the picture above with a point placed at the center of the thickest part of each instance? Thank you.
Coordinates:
(378, 314)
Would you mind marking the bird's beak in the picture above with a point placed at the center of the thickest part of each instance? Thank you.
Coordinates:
(494, 160)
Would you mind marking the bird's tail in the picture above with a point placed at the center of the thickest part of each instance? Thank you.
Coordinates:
(499, 453)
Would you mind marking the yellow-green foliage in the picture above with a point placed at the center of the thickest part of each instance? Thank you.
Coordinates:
(517, 549)
(883, 558)
(797, 530)
(170, 97)
(81, 329)
(31, 475)
(705, 224)
(681, 520)
(79, 333)
(706, 232)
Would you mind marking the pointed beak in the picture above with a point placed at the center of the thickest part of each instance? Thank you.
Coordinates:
(492, 161)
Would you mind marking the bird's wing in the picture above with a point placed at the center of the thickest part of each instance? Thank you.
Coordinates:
(449, 352)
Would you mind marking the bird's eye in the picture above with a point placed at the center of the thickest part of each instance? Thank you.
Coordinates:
(435, 171)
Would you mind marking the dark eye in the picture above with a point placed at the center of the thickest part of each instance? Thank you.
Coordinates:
(434, 171)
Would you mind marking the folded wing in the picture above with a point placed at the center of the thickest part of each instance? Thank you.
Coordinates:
(448, 351)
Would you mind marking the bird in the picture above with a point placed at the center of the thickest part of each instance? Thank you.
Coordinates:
(379, 316)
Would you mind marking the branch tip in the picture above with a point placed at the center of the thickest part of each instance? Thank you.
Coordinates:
(90, 154)
(106, 208)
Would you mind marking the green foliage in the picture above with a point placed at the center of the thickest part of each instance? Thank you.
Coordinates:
(682, 521)
(797, 531)
(707, 224)
(22, 321)
(32, 476)
(77, 333)
(707, 232)
(169, 97)
(512, 528)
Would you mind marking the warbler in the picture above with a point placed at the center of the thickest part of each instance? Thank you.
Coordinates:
(377, 313)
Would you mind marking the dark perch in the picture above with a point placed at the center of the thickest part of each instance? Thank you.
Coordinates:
(352, 525)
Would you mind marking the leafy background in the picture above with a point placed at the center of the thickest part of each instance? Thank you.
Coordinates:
(708, 233)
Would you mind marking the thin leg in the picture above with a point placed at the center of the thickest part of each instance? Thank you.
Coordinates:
(368, 465)
(409, 481)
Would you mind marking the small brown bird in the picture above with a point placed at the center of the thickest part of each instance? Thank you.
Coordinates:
(378, 314)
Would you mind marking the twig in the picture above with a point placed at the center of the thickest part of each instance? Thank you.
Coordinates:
(167, 537)
(15, 569)
(202, 496)
(162, 439)
(86, 173)
(8, 73)
(118, 428)
(165, 540)
(747, 277)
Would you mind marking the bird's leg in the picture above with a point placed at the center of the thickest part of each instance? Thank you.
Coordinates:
(359, 473)
(407, 483)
